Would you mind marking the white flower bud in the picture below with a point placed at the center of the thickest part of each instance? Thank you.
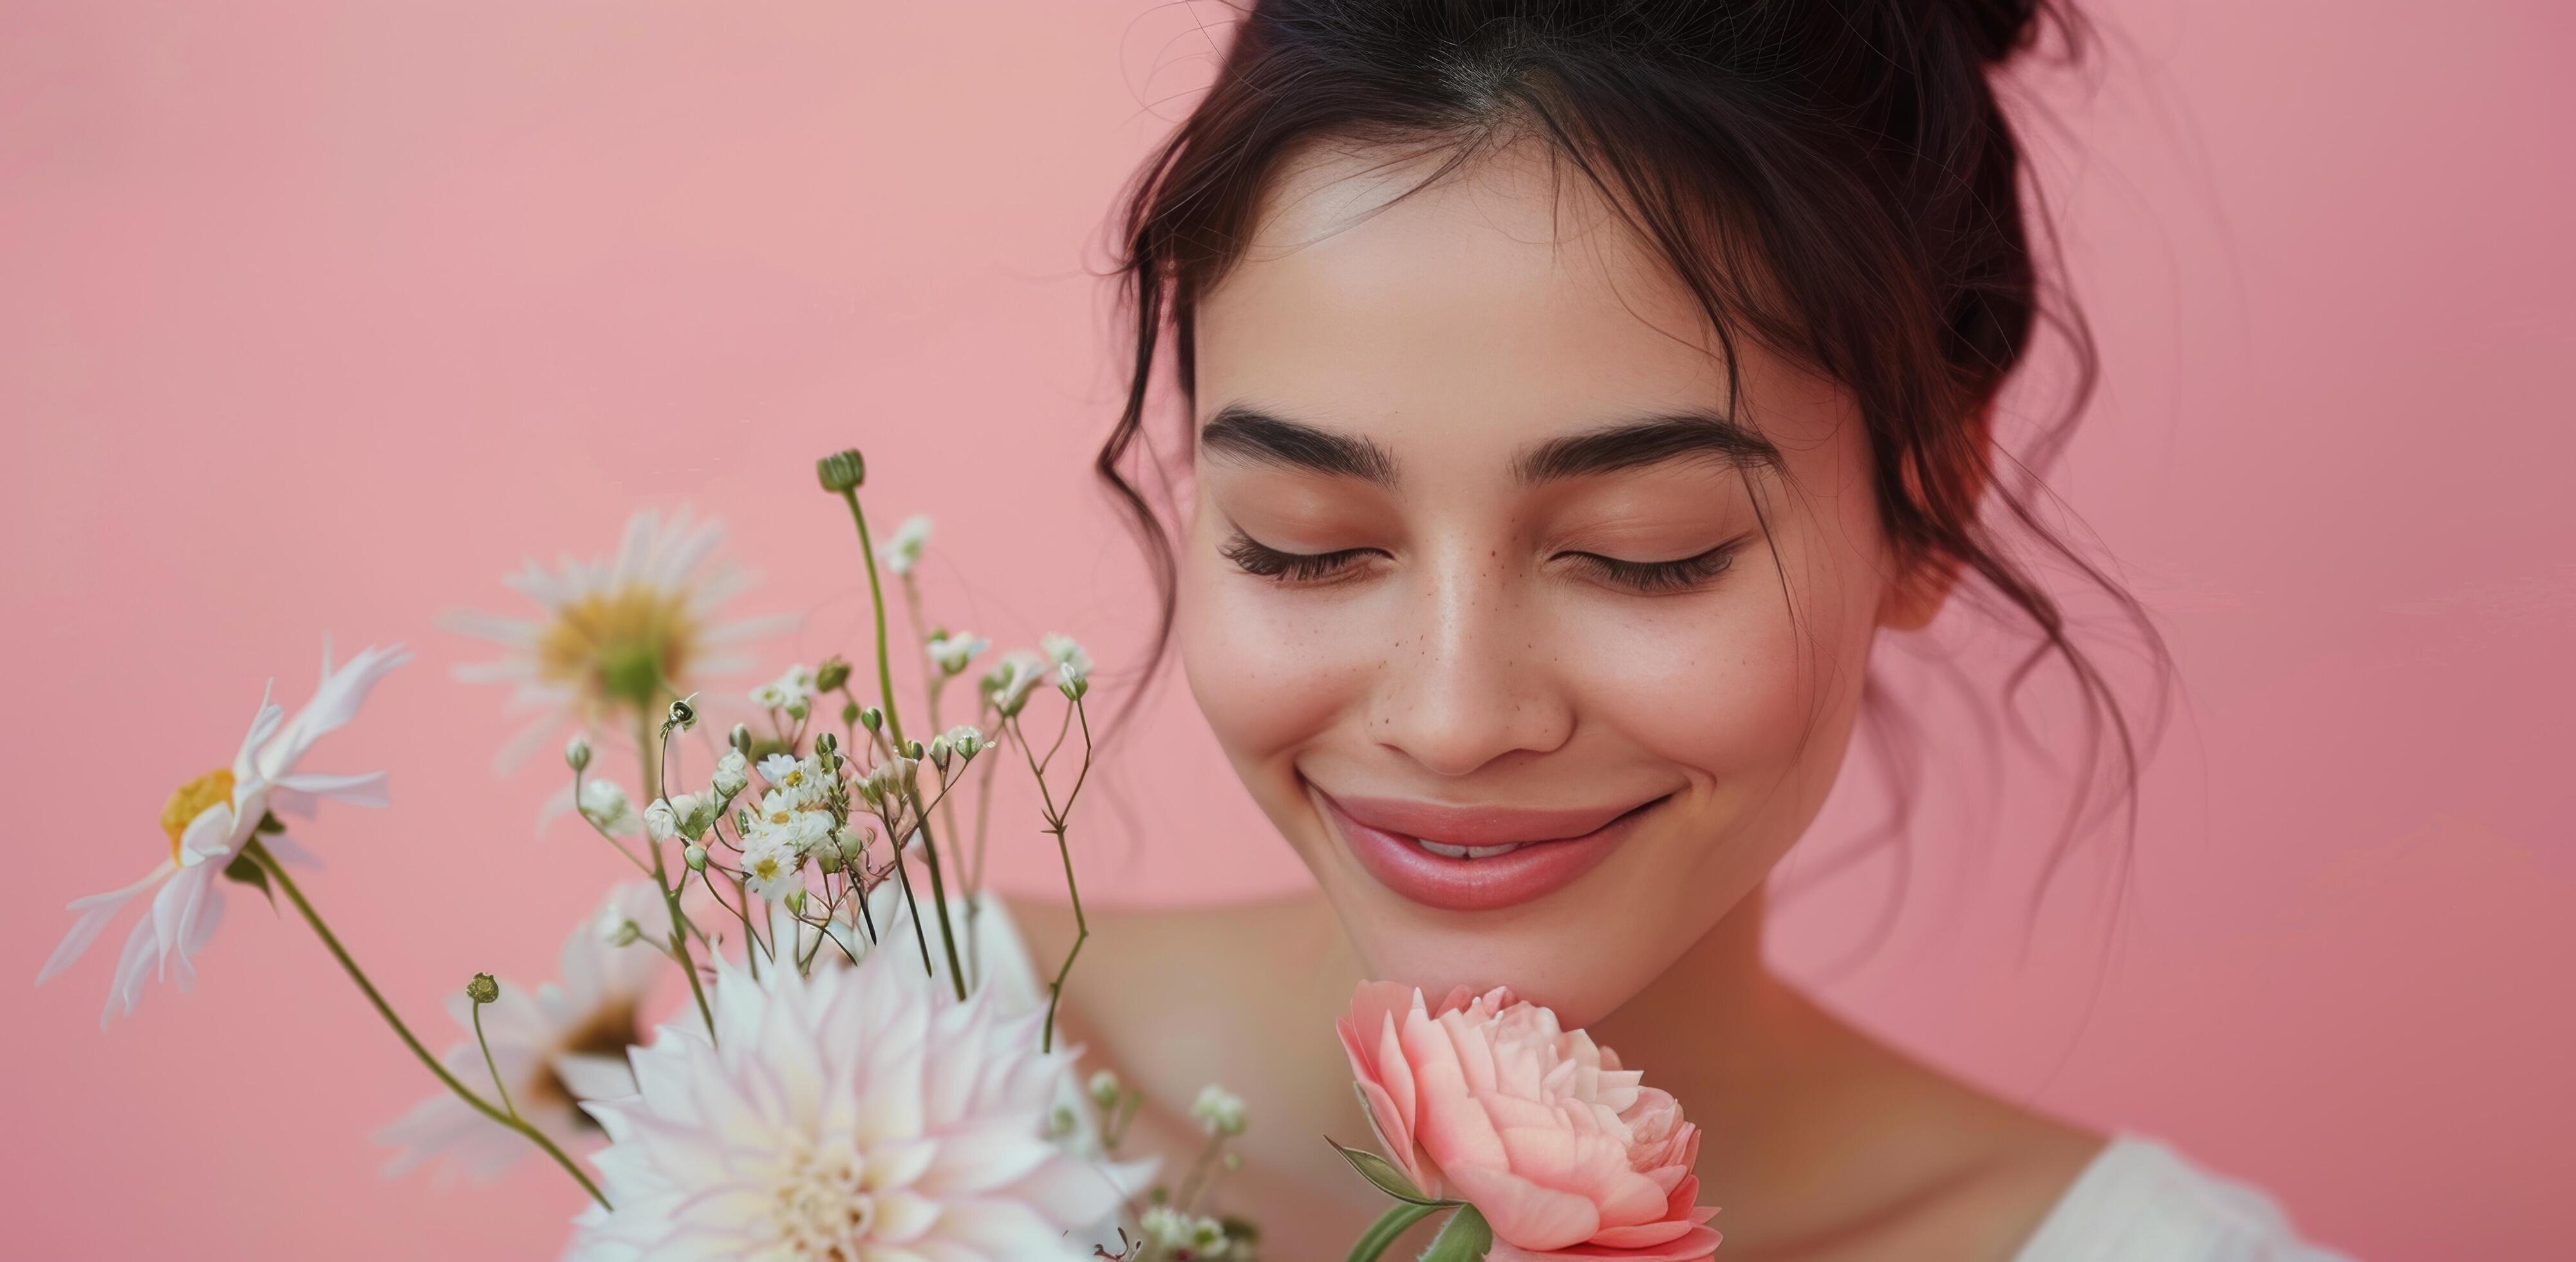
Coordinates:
(695, 856)
(1105, 1090)
(577, 754)
(733, 772)
(1070, 661)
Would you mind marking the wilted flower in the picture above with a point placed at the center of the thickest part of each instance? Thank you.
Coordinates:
(903, 548)
(559, 1044)
(851, 1114)
(211, 818)
(618, 635)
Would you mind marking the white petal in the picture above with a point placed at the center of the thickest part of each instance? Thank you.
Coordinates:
(367, 789)
(95, 911)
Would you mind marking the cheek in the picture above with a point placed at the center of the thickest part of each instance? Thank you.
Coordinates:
(1733, 688)
(1269, 673)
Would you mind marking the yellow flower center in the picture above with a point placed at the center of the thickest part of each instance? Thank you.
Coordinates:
(619, 647)
(190, 800)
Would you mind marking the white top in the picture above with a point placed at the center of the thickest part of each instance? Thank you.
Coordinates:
(2140, 1201)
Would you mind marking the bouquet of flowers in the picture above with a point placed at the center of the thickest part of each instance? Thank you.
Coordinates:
(860, 1069)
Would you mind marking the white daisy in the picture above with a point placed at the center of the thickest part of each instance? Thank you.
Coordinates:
(211, 818)
(851, 1114)
(800, 781)
(560, 1044)
(618, 635)
(772, 866)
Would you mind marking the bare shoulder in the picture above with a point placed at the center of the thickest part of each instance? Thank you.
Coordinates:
(1144, 966)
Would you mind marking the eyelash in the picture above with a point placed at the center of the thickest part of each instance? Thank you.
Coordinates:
(1644, 577)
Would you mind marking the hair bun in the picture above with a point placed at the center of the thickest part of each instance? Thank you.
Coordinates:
(1997, 29)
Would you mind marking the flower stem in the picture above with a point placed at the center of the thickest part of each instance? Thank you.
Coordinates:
(277, 876)
(894, 727)
(1383, 1233)
(652, 785)
(486, 1045)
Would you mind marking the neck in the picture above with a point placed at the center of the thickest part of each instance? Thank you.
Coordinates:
(1750, 1058)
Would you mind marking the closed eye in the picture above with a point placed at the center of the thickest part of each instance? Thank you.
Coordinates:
(1254, 557)
(1659, 577)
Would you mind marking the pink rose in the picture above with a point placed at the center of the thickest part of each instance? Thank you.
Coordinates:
(1567, 1156)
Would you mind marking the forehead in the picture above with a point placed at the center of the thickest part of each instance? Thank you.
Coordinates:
(1506, 296)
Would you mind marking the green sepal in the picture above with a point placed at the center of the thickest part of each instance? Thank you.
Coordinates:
(1388, 1177)
(246, 869)
(1466, 1238)
(1397, 1220)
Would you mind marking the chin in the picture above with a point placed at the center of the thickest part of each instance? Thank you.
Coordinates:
(1562, 952)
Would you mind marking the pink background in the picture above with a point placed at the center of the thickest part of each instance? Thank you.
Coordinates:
(320, 316)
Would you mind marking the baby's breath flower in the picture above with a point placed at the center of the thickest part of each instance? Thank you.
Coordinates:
(967, 739)
(902, 550)
(951, 651)
(1009, 682)
(732, 774)
(577, 754)
(661, 822)
(1218, 1111)
(1071, 662)
(801, 780)
(604, 804)
(1172, 1231)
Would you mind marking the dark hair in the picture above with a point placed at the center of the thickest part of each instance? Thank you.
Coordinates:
(1833, 178)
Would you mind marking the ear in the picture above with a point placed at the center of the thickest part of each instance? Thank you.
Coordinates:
(1924, 584)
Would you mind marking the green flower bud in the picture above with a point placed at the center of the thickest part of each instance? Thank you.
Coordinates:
(850, 713)
(872, 718)
(695, 857)
(827, 743)
(1105, 1088)
(483, 989)
(577, 755)
(829, 676)
(842, 471)
(740, 739)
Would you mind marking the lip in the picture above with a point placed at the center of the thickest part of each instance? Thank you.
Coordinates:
(1558, 846)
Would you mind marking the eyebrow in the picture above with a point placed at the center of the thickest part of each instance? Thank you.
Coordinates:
(1265, 439)
(1251, 434)
(1641, 443)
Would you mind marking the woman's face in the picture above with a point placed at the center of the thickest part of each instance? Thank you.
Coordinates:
(1537, 655)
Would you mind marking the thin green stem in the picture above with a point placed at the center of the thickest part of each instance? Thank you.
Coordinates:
(486, 1045)
(661, 874)
(894, 727)
(1383, 1233)
(277, 876)
(1057, 822)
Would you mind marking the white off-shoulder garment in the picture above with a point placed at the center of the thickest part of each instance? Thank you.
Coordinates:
(2140, 1201)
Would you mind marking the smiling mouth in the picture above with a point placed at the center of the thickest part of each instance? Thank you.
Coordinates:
(1476, 858)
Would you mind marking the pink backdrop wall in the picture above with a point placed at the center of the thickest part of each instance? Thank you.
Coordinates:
(320, 316)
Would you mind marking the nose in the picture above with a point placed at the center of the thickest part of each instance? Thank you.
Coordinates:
(1472, 678)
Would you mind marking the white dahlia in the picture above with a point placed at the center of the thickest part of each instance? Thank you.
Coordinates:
(617, 635)
(211, 819)
(856, 1115)
(555, 1046)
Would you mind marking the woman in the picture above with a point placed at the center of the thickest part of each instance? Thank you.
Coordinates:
(1574, 393)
